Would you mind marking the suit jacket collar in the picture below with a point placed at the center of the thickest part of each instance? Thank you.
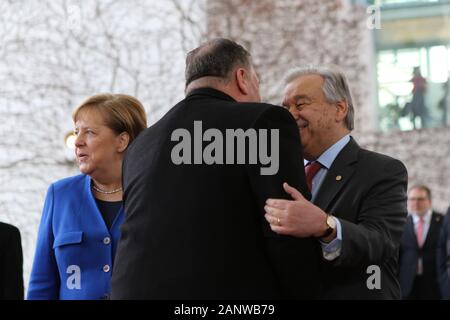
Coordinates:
(434, 224)
(433, 230)
(409, 227)
(89, 204)
(427, 217)
(210, 92)
(338, 175)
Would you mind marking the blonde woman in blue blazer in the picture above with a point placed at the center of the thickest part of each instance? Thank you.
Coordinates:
(79, 228)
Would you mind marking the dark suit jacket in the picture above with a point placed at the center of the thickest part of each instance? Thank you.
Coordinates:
(198, 231)
(11, 278)
(410, 253)
(370, 201)
(444, 257)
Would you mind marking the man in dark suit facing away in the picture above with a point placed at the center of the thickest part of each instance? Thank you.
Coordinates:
(358, 207)
(194, 193)
(418, 275)
(11, 263)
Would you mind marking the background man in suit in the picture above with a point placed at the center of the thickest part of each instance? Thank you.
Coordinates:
(197, 231)
(444, 257)
(358, 206)
(11, 263)
(418, 270)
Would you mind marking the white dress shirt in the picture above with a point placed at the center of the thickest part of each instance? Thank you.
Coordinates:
(426, 223)
(330, 250)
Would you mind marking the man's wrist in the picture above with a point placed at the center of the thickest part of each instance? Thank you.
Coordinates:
(330, 238)
(329, 230)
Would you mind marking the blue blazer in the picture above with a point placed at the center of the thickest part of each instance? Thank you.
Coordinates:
(75, 250)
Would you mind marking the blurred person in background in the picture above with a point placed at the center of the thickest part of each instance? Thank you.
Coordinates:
(418, 269)
(418, 107)
(444, 103)
(79, 228)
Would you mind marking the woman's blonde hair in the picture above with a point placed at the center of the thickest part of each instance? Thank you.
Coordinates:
(120, 112)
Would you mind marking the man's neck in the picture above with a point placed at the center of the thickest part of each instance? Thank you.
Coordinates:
(328, 145)
(206, 82)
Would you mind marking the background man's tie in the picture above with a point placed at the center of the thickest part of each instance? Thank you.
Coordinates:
(419, 232)
(420, 240)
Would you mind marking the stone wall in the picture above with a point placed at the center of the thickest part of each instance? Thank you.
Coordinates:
(425, 153)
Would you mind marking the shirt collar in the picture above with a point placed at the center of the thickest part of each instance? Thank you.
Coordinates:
(327, 158)
(426, 217)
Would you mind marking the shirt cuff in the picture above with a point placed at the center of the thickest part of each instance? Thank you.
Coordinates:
(332, 250)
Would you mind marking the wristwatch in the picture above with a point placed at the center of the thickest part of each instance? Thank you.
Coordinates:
(331, 225)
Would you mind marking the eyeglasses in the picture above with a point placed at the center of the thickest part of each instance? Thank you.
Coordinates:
(418, 199)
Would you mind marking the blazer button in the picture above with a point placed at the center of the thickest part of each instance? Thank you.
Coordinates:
(106, 268)
(106, 240)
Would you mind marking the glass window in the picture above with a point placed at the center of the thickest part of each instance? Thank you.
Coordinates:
(413, 65)
(400, 2)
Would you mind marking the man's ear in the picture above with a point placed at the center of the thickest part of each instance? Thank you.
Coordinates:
(341, 110)
(123, 141)
(242, 80)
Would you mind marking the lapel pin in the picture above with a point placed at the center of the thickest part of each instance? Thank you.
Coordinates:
(338, 178)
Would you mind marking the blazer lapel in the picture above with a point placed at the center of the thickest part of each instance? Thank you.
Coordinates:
(409, 227)
(338, 175)
(435, 218)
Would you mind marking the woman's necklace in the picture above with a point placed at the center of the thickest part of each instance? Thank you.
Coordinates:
(104, 191)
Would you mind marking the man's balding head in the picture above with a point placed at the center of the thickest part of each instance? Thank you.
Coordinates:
(215, 58)
(224, 65)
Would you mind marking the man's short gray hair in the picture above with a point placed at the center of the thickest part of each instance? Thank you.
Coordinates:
(335, 86)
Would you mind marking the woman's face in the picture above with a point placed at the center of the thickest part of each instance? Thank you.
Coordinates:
(98, 148)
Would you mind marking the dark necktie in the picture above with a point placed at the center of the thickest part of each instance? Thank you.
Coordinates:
(311, 170)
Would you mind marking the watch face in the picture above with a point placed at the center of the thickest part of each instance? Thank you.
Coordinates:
(331, 222)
